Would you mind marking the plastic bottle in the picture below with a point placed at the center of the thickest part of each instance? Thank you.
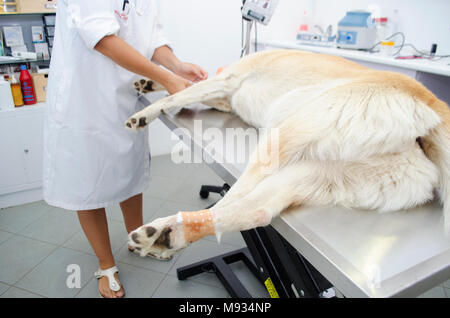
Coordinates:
(26, 82)
(16, 92)
(303, 34)
(6, 99)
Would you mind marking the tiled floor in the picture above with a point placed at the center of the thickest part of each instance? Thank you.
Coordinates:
(38, 242)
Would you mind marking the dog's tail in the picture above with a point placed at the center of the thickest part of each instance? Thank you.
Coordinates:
(437, 148)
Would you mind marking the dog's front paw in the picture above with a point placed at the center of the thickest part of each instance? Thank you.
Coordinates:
(142, 119)
(144, 86)
(160, 239)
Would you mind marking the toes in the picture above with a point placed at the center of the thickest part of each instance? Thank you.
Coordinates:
(142, 122)
(163, 240)
(136, 124)
(150, 230)
(134, 238)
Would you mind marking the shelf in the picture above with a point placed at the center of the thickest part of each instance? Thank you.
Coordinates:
(19, 61)
(440, 67)
(28, 13)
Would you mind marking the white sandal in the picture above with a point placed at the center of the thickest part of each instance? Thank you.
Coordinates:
(113, 284)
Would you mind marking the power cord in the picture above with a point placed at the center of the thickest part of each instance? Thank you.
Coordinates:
(433, 57)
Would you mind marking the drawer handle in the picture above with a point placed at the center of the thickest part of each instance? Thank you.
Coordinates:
(50, 5)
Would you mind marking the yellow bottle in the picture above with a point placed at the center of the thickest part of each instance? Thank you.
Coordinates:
(16, 92)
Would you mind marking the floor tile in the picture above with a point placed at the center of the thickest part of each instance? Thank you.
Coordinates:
(5, 236)
(17, 218)
(234, 238)
(56, 226)
(165, 167)
(149, 263)
(200, 251)
(162, 187)
(117, 234)
(19, 255)
(188, 191)
(171, 208)
(447, 284)
(3, 288)
(14, 292)
(49, 278)
(436, 292)
(137, 282)
(171, 287)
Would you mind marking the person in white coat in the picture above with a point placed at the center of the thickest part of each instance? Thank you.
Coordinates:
(90, 160)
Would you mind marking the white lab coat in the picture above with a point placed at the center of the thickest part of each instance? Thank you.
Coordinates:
(90, 159)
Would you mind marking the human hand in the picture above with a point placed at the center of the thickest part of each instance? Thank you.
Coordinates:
(176, 84)
(191, 72)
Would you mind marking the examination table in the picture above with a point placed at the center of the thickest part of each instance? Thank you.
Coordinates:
(359, 253)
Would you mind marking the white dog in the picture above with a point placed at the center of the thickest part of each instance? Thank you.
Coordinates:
(348, 135)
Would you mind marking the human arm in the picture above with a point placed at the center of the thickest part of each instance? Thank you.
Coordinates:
(165, 56)
(127, 57)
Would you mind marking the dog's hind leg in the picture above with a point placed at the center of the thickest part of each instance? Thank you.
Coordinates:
(216, 88)
(288, 187)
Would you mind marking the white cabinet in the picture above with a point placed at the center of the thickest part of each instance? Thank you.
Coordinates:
(12, 171)
(21, 151)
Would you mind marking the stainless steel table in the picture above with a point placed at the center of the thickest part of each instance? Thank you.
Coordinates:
(362, 253)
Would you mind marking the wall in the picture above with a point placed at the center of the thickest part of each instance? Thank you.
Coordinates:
(207, 33)
(423, 22)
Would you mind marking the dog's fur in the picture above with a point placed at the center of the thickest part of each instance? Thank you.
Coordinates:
(348, 135)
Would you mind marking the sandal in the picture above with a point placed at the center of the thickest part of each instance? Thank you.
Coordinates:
(113, 284)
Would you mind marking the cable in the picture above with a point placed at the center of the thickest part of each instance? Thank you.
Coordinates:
(432, 57)
(390, 37)
(424, 54)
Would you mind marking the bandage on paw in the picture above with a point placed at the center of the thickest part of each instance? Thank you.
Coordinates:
(197, 225)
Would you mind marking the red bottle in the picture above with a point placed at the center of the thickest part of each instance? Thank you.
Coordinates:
(26, 82)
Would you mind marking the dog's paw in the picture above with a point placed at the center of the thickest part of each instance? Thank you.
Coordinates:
(142, 119)
(144, 86)
(160, 239)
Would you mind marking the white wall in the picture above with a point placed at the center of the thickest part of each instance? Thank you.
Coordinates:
(205, 32)
(423, 21)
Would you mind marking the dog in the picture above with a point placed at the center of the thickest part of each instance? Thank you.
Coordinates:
(348, 136)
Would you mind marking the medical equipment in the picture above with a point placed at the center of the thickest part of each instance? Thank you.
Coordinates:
(356, 31)
(260, 11)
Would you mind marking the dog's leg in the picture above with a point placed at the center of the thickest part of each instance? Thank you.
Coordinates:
(216, 88)
(287, 187)
(145, 86)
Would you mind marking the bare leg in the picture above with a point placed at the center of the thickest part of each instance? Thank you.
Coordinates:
(95, 227)
(132, 212)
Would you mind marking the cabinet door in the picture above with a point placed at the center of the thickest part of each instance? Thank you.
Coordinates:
(12, 165)
(31, 134)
